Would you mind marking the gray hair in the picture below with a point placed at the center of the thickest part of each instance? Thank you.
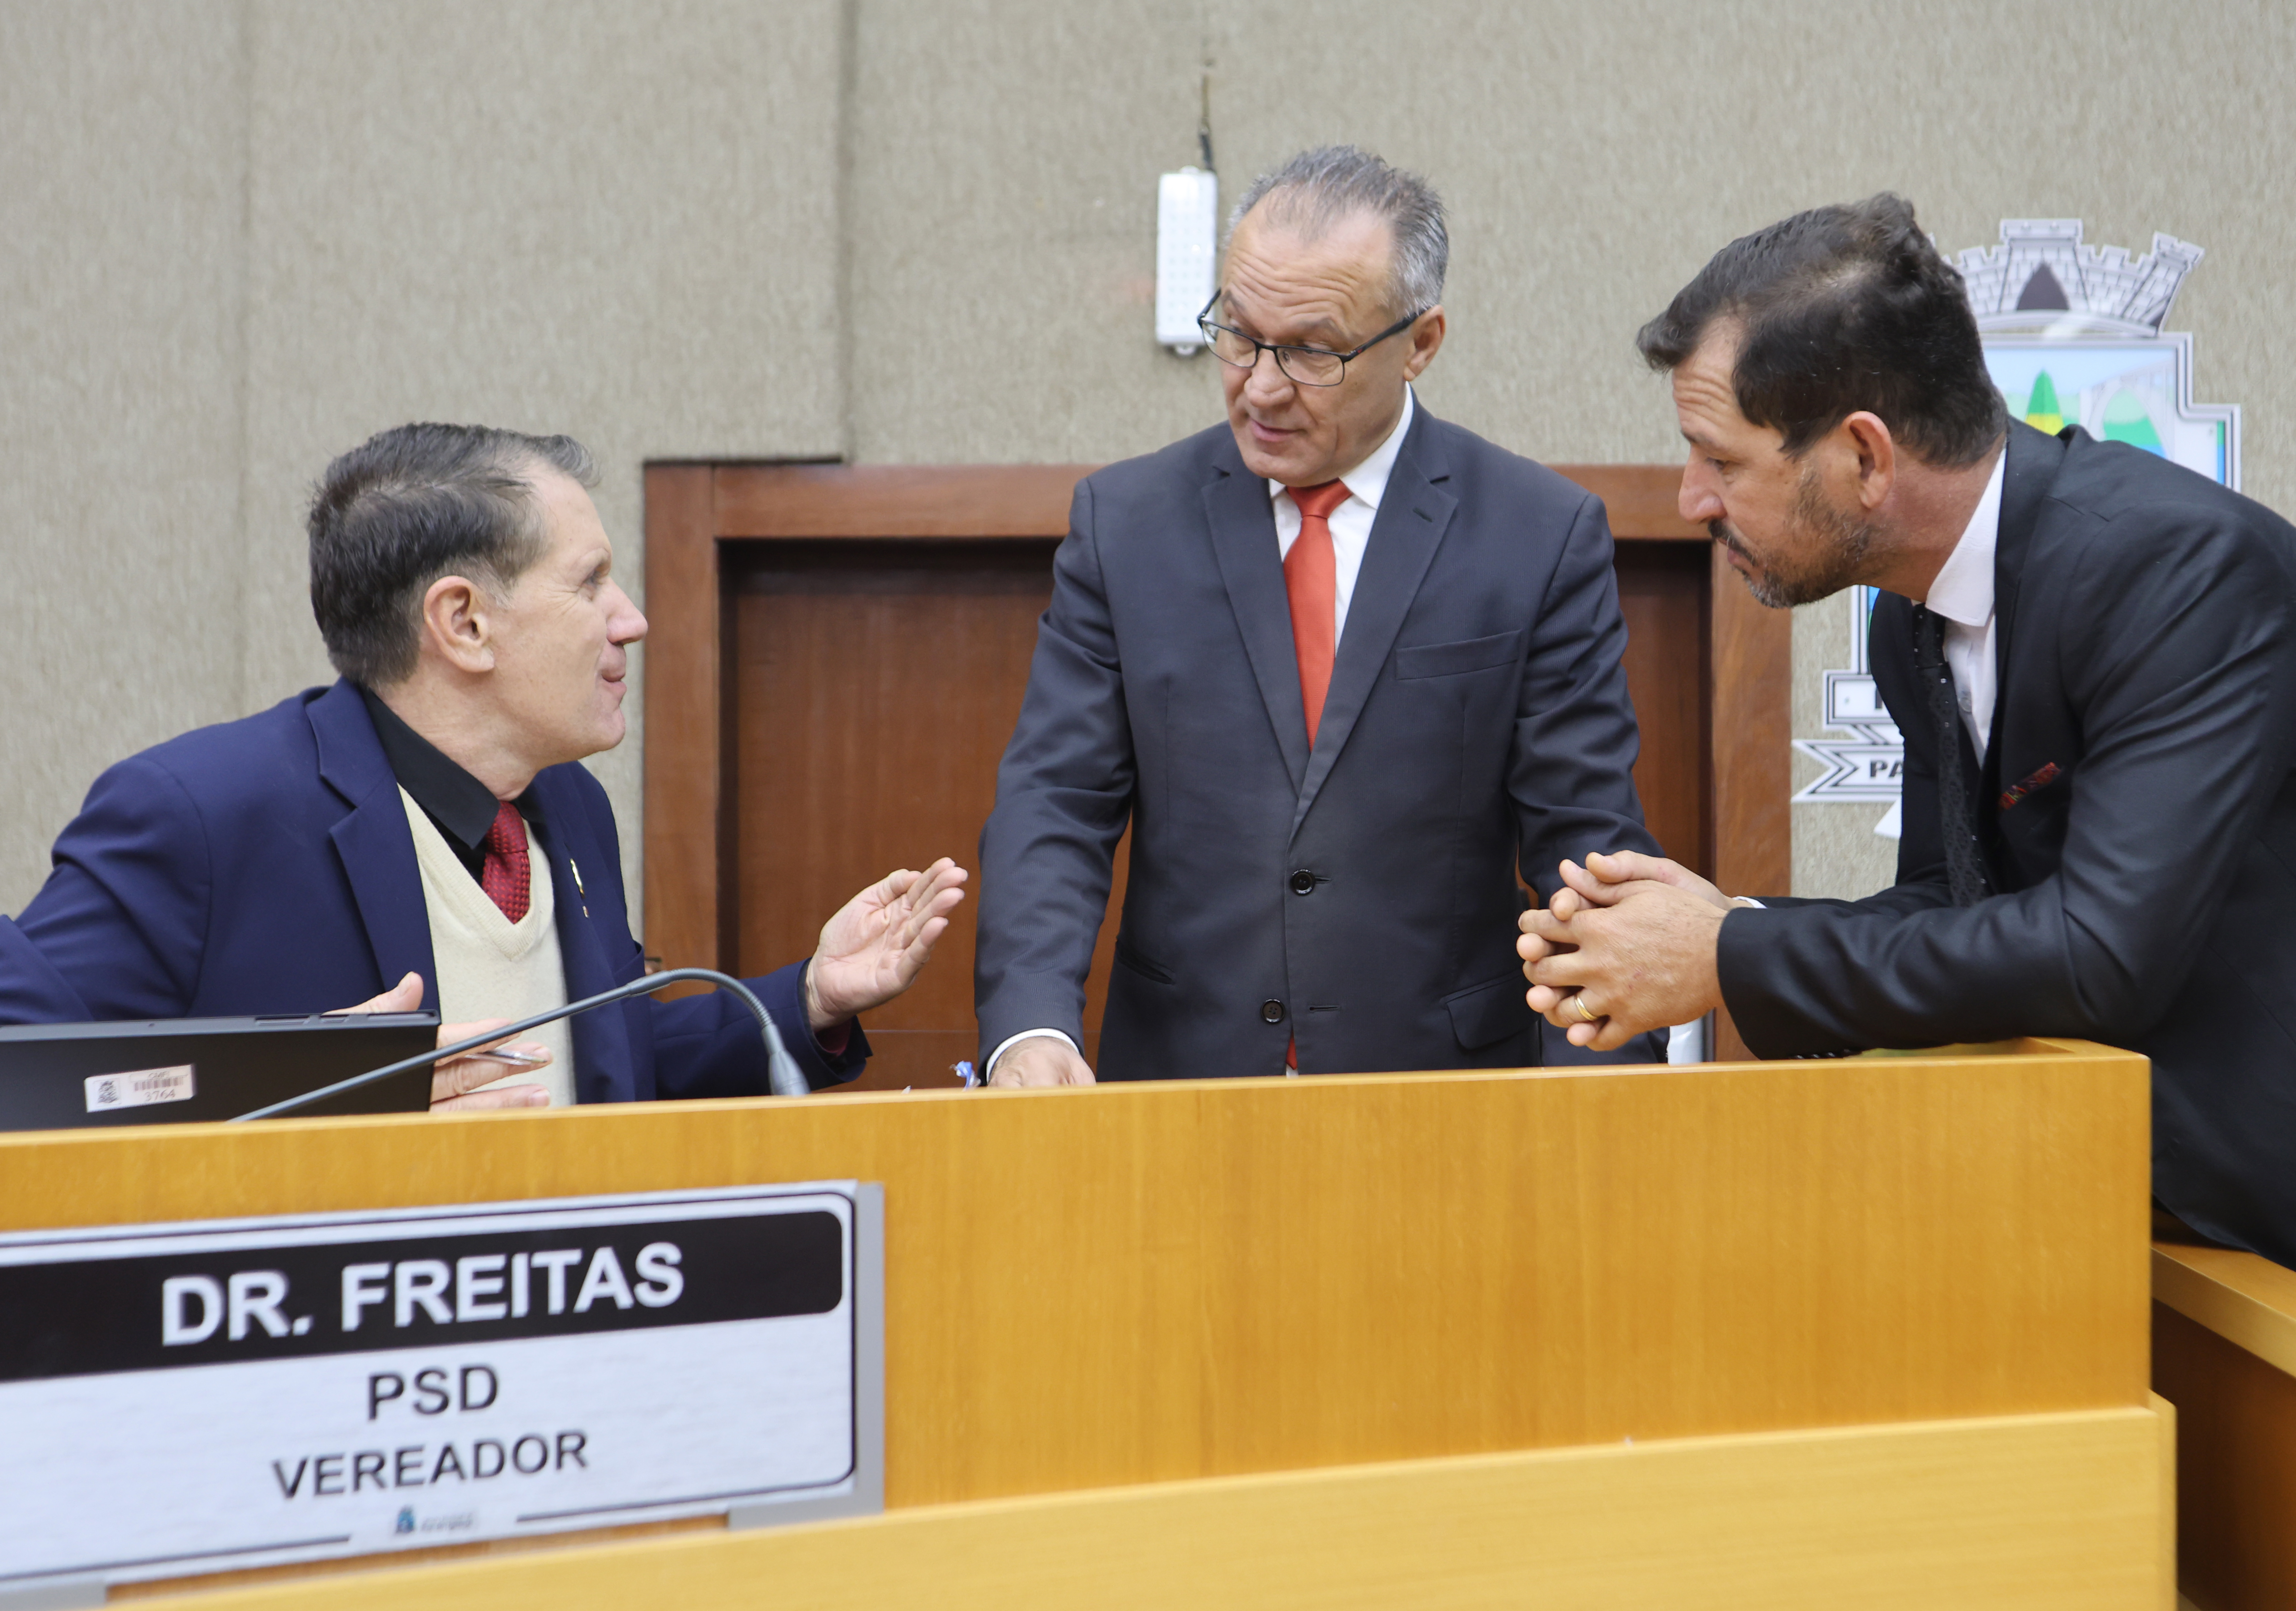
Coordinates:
(1318, 188)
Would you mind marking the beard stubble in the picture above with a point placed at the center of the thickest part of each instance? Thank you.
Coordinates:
(1836, 543)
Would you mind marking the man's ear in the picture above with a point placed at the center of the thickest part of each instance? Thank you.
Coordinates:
(1876, 454)
(1426, 341)
(456, 625)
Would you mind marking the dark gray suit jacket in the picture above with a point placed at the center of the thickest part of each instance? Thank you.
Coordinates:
(1362, 896)
(2147, 651)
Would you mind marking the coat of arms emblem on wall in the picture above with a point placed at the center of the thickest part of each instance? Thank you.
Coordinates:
(2073, 337)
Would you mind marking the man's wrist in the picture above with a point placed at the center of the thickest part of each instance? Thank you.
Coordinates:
(989, 1068)
(818, 1017)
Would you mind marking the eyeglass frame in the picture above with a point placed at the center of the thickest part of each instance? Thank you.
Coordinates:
(1205, 322)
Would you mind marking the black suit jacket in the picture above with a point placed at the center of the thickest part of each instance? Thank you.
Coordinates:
(2146, 652)
(1476, 713)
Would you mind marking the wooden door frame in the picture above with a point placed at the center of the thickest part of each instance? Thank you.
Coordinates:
(692, 509)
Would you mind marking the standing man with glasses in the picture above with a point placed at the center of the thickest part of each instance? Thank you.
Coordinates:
(1341, 668)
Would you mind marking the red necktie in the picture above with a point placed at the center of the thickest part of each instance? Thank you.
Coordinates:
(1311, 578)
(503, 876)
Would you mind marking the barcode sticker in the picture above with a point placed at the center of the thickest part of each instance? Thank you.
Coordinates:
(139, 1087)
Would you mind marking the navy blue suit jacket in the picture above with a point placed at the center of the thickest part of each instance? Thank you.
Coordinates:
(266, 866)
(1358, 894)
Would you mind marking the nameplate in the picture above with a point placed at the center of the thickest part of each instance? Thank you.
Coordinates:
(184, 1398)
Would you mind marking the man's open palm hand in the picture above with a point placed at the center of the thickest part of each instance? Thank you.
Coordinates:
(872, 950)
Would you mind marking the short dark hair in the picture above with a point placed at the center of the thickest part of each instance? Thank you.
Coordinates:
(412, 504)
(1843, 309)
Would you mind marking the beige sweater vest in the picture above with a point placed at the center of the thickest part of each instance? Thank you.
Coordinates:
(488, 966)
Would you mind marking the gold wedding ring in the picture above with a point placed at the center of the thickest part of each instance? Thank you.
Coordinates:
(1578, 1000)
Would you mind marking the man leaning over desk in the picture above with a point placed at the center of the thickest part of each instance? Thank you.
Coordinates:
(420, 834)
(2091, 653)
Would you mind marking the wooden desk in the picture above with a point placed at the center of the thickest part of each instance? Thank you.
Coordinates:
(1869, 1331)
(2224, 1352)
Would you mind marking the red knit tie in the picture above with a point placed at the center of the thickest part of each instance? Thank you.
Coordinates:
(503, 876)
(1311, 577)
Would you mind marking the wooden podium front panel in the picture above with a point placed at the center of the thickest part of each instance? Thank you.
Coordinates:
(2224, 1351)
(1096, 1288)
(2012, 1513)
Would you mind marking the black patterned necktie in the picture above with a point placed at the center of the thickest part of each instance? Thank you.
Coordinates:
(1964, 866)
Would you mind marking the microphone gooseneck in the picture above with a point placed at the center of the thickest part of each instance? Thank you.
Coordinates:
(782, 1075)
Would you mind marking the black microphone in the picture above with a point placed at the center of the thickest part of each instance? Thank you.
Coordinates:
(782, 1075)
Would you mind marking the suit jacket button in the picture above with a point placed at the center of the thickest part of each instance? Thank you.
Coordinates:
(1271, 1011)
(1303, 882)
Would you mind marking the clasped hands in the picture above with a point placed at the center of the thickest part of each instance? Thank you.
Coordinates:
(1626, 945)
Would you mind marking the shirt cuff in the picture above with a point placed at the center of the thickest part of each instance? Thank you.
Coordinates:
(1010, 1041)
(835, 1039)
(1687, 1042)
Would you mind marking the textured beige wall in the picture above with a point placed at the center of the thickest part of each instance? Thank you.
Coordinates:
(123, 139)
(1003, 229)
(618, 221)
(235, 237)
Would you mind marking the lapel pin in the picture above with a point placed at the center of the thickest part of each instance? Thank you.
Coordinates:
(575, 867)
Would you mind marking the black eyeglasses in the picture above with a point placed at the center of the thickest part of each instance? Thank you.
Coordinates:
(1306, 365)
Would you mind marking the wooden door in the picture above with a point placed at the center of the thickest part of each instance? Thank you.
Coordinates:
(1663, 589)
(893, 669)
(838, 656)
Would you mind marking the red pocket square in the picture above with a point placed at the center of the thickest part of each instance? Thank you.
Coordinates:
(2041, 780)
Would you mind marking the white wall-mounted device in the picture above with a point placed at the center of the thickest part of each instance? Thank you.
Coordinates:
(1187, 249)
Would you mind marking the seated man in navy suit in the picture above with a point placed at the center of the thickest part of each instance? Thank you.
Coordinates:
(420, 834)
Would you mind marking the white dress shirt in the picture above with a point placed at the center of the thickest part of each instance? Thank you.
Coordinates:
(1963, 597)
(1350, 525)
